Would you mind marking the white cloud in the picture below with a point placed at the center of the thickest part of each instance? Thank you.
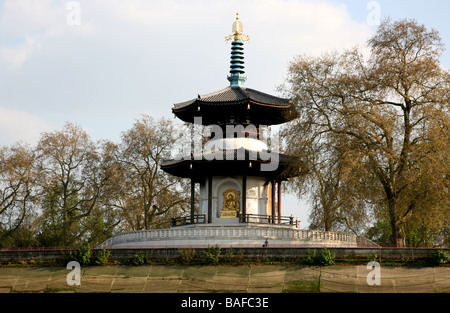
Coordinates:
(20, 126)
(307, 27)
(18, 17)
(15, 56)
(281, 30)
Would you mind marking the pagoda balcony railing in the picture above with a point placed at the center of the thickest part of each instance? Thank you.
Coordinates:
(243, 218)
(189, 219)
(268, 219)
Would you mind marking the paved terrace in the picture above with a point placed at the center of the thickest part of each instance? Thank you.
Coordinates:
(223, 278)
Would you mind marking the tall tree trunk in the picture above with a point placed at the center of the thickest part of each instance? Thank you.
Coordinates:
(398, 235)
(326, 218)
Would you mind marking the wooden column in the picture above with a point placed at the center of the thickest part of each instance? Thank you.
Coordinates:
(273, 201)
(209, 199)
(192, 200)
(244, 197)
(279, 202)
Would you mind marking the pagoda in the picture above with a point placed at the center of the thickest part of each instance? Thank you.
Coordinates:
(239, 176)
(239, 172)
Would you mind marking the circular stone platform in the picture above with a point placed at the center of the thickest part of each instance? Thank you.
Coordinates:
(241, 235)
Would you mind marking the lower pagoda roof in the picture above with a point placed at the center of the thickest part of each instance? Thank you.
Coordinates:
(233, 162)
(239, 105)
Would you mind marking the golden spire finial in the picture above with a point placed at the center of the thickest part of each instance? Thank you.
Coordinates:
(237, 30)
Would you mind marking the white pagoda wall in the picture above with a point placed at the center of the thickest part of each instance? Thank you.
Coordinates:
(257, 196)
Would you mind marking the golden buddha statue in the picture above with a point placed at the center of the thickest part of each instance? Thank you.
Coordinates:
(230, 203)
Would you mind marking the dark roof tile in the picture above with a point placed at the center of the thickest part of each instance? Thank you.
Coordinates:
(235, 94)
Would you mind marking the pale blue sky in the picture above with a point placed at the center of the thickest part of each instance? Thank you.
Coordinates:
(128, 58)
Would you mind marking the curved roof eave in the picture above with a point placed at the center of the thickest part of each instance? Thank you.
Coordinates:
(232, 95)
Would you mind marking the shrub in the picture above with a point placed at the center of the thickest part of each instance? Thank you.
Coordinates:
(326, 257)
(310, 257)
(138, 259)
(102, 257)
(372, 257)
(187, 255)
(212, 254)
(82, 255)
(440, 257)
(229, 255)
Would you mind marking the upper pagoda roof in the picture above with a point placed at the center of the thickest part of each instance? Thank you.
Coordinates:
(236, 104)
(239, 104)
(232, 94)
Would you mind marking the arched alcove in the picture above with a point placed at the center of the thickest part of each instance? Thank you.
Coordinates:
(221, 186)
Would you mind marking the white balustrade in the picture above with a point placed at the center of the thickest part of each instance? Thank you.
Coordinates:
(202, 232)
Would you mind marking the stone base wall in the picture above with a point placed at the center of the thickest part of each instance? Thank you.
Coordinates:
(280, 254)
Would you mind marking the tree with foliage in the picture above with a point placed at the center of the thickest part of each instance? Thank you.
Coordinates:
(384, 118)
(16, 192)
(69, 190)
(106, 179)
(328, 179)
(70, 182)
